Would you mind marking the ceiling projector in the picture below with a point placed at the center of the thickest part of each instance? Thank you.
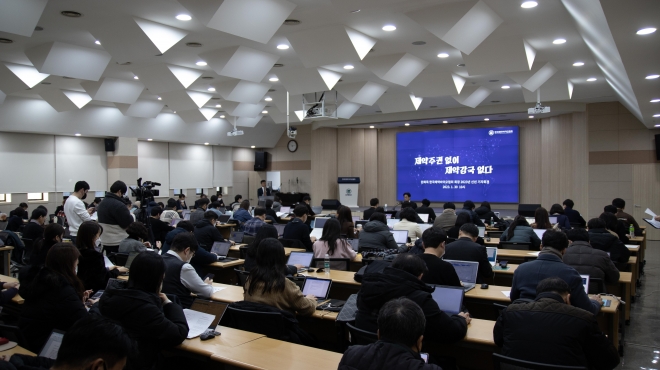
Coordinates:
(292, 132)
(235, 132)
(538, 109)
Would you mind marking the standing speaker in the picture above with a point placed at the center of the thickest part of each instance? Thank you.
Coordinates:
(109, 145)
(527, 210)
(260, 161)
(657, 147)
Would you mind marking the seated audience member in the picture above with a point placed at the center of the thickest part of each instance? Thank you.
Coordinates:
(440, 272)
(129, 206)
(242, 215)
(237, 203)
(181, 279)
(466, 248)
(589, 261)
(137, 234)
(332, 244)
(91, 267)
(620, 205)
(277, 206)
(376, 234)
(520, 232)
(485, 213)
(181, 227)
(557, 211)
(345, 218)
(181, 204)
(267, 283)
(198, 201)
(469, 207)
(218, 198)
(34, 229)
(602, 239)
(170, 212)
(3, 221)
(206, 232)
(53, 234)
(615, 226)
(214, 206)
(550, 264)
(408, 205)
(368, 212)
(53, 296)
(297, 228)
(408, 223)
(267, 231)
(20, 211)
(462, 219)
(573, 215)
(404, 279)
(550, 330)
(159, 229)
(447, 218)
(406, 198)
(542, 220)
(147, 315)
(15, 220)
(200, 209)
(202, 257)
(252, 226)
(426, 210)
(270, 212)
(307, 202)
(401, 325)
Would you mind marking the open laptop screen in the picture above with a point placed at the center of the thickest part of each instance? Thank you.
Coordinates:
(285, 209)
(492, 254)
(224, 218)
(448, 298)
(391, 222)
(280, 229)
(319, 288)
(482, 231)
(424, 217)
(553, 219)
(319, 222)
(356, 218)
(236, 236)
(585, 283)
(400, 236)
(354, 243)
(221, 248)
(52, 346)
(300, 258)
(175, 221)
(540, 232)
(466, 270)
(210, 307)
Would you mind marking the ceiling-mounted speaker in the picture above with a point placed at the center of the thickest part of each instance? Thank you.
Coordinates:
(109, 145)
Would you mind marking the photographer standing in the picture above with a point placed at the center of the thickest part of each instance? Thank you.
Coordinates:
(114, 217)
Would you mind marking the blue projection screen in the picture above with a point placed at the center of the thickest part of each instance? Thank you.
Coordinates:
(457, 165)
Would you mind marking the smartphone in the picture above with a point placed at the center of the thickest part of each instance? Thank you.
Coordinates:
(96, 295)
(209, 276)
(425, 356)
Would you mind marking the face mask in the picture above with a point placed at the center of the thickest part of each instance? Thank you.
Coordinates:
(97, 245)
(84, 196)
(76, 270)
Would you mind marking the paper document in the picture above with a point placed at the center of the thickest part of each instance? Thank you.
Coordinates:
(534, 253)
(507, 293)
(198, 322)
(217, 289)
(632, 246)
(108, 264)
(653, 222)
(280, 214)
(650, 213)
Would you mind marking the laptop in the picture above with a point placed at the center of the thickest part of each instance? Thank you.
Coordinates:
(320, 221)
(175, 221)
(467, 273)
(354, 243)
(185, 212)
(221, 249)
(482, 231)
(317, 210)
(116, 284)
(392, 222)
(424, 217)
(319, 288)
(540, 232)
(280, 229)
(585, 282)
(361, 222)
(285, 209)
(553, 219)
(492, 255)
(214, 308)
(301, 258)
(52, 346)
(223, 219)
(448, 298)
(129, 260)
(236, 236)
(530, 220)
(400, 236)
(423, 227)
(356, 218)
(186, 216)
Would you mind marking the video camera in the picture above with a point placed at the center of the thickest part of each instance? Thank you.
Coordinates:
(144, 192)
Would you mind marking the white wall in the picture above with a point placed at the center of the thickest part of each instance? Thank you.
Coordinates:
(79, 158)
(28, 163)
(153, 164)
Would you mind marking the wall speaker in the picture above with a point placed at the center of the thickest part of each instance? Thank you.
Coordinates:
(657, 147)
(260, 161)
(330, 204)
(527, 210)
(109, 145)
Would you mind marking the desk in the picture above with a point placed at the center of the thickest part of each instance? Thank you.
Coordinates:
(475, 351)
(16, 350)
(6, 259)
(8, 279)
(343, 284)
(234, 250)
(230, 338)
(224, 271)
(261, 353)
(225, 229)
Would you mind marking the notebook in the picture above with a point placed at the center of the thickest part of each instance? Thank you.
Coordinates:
(52, 346)
(214, 308)
(448, 298)
(540, 232)
(400, 236)
(424, 217)
(236, 236)
(467, 273)
(319, 288)
(585, 283)
(317, 233)
(492, 255)
(221, 249)
(482, 231)
(301, 258)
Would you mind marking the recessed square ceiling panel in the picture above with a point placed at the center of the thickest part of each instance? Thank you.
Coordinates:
(163, 78)
(330, 45)
(462, 24)
(498, 55)
(398, 101)
(141, 108)
(197, 115)
(60, 59)
(365, 93)
(63, 101)
(278, 117)
(245, 121)
(123, 39)
(279, 98)
(436, 83)
(472, 96)
(163, 37)
(18, 77)
(114, 90)
(242, 91)
(240, 62)
(256, 20)
(555, 88)
(400, 69)
(308, 80)
(243, 109)
(347, 109)
(540, 77)
(20, 17)
(185, 100)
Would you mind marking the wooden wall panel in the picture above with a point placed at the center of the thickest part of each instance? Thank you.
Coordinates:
(324, 165)
(343, 152)
(646, 181)
(387, 167)
(579, 160)
(369, 188)
(530, 162)
(357, 160)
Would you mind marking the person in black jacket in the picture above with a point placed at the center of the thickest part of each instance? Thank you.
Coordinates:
(147, 315)
(53, 296)
(401, 324)
(158, 228)
(574, 216)
(426, 209)
(368, 212)
(34, 229)
(404, 279)
(297, 229)
(271, 214)
(551, 331)
(615, 225)
(91, 268)
(468, 207)
(206, 232)
(602, 239)
(466, 249)
(440, 272)
(485, 213)
(114, 217)
(53, 234)
(462, 219)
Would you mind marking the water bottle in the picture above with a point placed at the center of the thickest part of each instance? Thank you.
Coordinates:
(386, 207)
(326, 264)
(491, 222)
(631, 229)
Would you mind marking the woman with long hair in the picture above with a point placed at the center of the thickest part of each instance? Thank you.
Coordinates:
(332, 244)
(541, 220)
(562, 220)
(345, 218)
(265, 232)
(54, 296)
(53, 234)
(267, 283)
(92, 270)
(520, 232)
(408, 222)
(147, 315)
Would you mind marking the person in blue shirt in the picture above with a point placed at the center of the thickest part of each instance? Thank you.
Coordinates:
(242, 215)
(252, 226)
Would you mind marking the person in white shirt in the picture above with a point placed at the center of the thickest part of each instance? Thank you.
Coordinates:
(74, 208)
(170, 212)
(180, 277)
(408, 217)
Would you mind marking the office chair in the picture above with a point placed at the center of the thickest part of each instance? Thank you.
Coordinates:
(515, 246)
(495, 234)
(270, 324)
(293, 243)
(242, 252)
(359, 336)
(597, 286)
(343, 263)
(13, 333)
(450, 240)
(27, 251)
(299, 280)
(248, 239)
(507, 363)
(241, 276)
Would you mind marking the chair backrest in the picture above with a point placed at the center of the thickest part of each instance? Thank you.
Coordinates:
(499, 308)
(507, 363)
(292, 243)
(576, 225)
(359, 336)
(495, 234)
(449, 240)
(3, 225)
(270, 324)
(27, 252)
(247, 239)
(597, 286)
(241, 276)
(299, 280)
(515, 246)
(242, 252)
(120, 259)
(13, 333)
(343, 264)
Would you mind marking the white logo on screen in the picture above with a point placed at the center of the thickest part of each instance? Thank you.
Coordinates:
(491, 132)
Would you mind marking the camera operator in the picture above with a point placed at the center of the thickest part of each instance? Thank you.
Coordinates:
(114, 217)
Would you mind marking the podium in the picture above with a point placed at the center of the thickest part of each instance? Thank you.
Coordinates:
(348, 190)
